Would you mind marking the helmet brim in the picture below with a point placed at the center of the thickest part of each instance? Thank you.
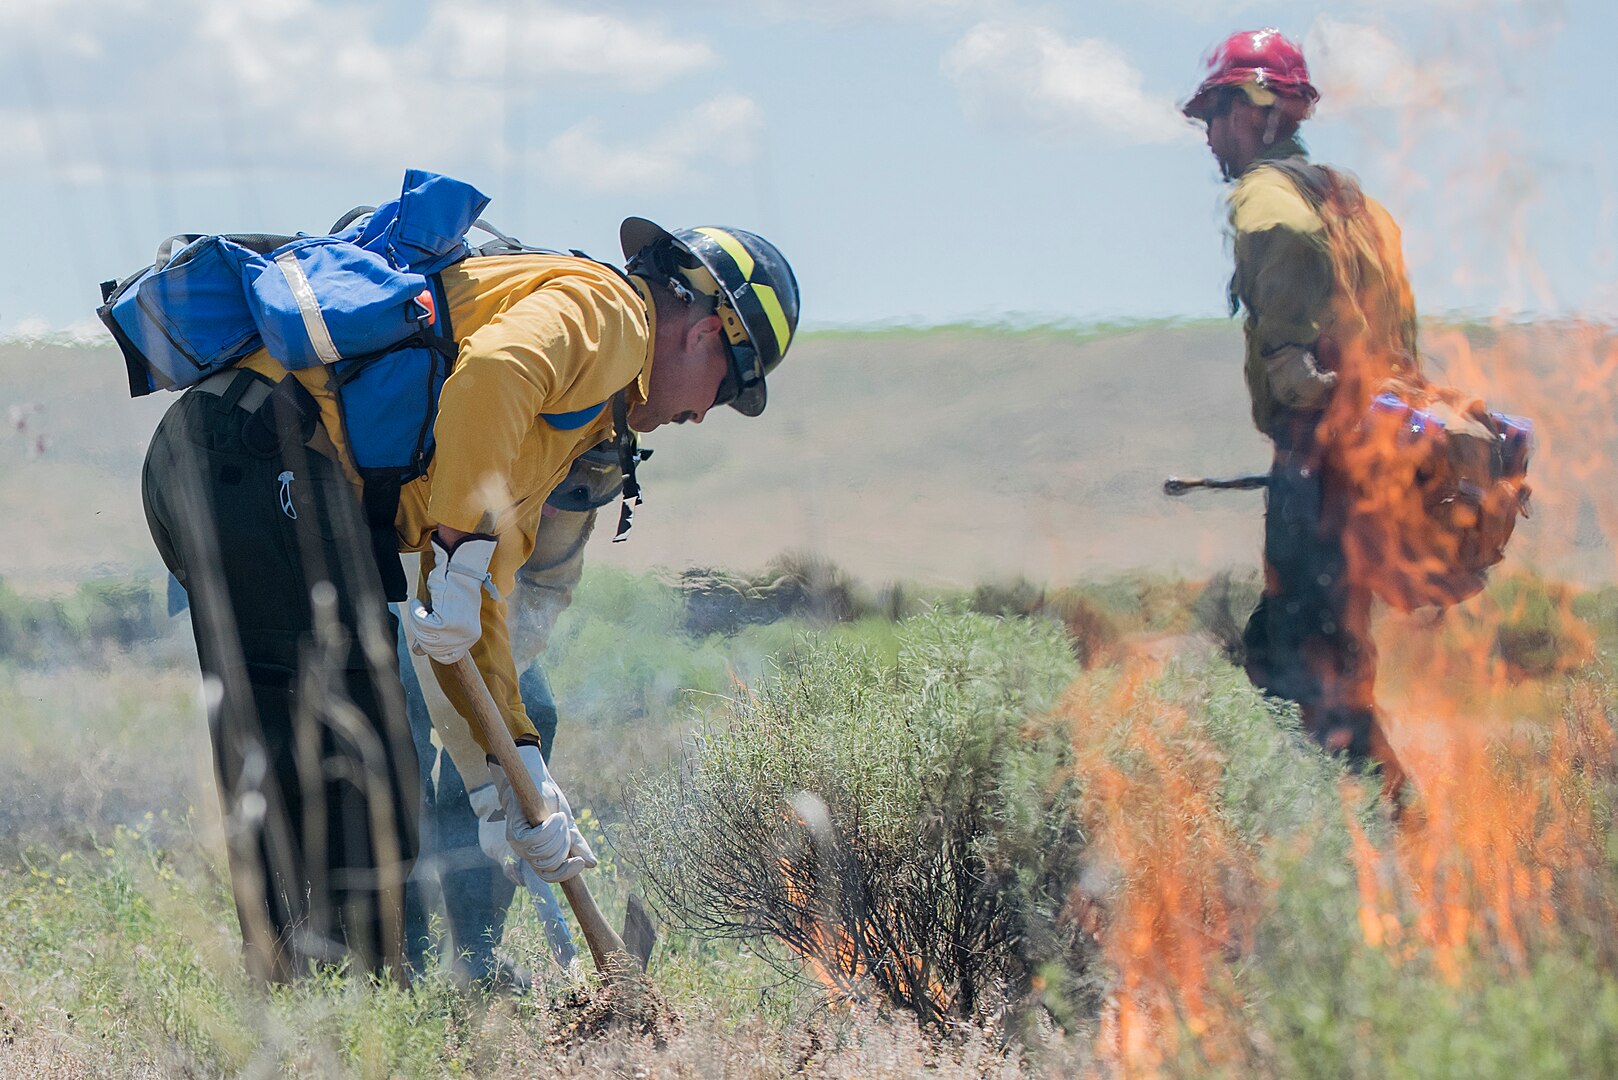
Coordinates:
(636, 234)
(1295, 97)
(1200, 104)
(750, 402)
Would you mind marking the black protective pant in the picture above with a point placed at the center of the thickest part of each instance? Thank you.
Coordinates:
(453, 871)
(317, 773)
(1309, 639)
(475, 893)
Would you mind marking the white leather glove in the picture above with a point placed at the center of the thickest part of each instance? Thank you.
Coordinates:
(450, 622)
(554, 848)
(492, 829)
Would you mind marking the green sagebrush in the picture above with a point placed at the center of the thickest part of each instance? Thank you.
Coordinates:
(905, 829)
(100, 615)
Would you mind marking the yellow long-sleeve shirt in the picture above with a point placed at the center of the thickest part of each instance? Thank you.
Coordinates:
(1329, 307)
(539, 334)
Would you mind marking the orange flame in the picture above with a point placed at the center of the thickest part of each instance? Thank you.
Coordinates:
(1488, 870)
(842, 962)
(1501, 852)
(831, 950)
(1169, 919)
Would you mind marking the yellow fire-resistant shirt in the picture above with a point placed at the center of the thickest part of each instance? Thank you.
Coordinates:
(539, 334)
(1328, 303)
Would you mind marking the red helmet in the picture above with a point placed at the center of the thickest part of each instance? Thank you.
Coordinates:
(1268, 67)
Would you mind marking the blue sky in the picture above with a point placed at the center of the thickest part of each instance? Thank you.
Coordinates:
(919, 161)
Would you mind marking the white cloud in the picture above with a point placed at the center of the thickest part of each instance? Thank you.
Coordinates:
(841, 11)
(724, 129)
(551, 40)
(111, 89)
(1033, 75)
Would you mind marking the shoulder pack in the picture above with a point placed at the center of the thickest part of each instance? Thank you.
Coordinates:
(364, 301)
(1437, 479)
(1439, 482)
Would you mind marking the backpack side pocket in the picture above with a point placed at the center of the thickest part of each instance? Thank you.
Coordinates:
(181, 323)
(321, 300)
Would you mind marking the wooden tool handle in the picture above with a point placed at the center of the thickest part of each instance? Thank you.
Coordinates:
(606, 947)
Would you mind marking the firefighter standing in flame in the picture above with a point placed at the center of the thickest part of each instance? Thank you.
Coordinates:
(1329, 319)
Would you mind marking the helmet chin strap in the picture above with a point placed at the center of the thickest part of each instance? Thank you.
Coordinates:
(1272, 125)
(630, 454)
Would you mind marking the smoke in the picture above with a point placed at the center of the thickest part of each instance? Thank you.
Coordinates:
(1360, 66)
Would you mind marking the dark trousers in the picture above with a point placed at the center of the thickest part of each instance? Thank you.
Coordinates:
(317, 773)
(1309, 639)
(475, 893)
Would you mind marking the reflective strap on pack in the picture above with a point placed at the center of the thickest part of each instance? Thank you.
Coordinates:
(314, 323)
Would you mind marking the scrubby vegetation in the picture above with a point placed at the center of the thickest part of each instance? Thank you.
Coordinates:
(100, 615)
(909, 829)
(959, 843)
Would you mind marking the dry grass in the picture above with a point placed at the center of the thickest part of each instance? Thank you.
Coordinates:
(1257, 915)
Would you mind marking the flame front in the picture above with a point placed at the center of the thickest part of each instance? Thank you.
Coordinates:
(1502, 725)
(1174, 875)
(842, 961)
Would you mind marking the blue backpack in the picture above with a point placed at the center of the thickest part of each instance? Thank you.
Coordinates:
(365, 301)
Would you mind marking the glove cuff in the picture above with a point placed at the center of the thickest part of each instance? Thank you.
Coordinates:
(484, 799)
(473, 551)
(470, 557)
(534, 764)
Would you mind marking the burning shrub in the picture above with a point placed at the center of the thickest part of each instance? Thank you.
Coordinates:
(906, 831)
(1092, 631)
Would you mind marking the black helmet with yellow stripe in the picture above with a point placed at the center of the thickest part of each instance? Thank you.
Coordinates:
(755, 294)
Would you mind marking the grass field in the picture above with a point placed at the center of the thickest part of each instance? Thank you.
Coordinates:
(1242, 906)
(1254, 912)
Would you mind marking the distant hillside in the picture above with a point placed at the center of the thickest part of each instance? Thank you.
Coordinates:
(951, 455)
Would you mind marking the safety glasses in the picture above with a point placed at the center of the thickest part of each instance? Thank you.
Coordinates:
(743, 385)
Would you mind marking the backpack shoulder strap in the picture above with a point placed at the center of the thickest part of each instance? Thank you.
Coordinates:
(173, 248)
(505, 244)
(443, 322)
(572, 421)
(1313, 182)
(349, 218)
(1328, 191)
